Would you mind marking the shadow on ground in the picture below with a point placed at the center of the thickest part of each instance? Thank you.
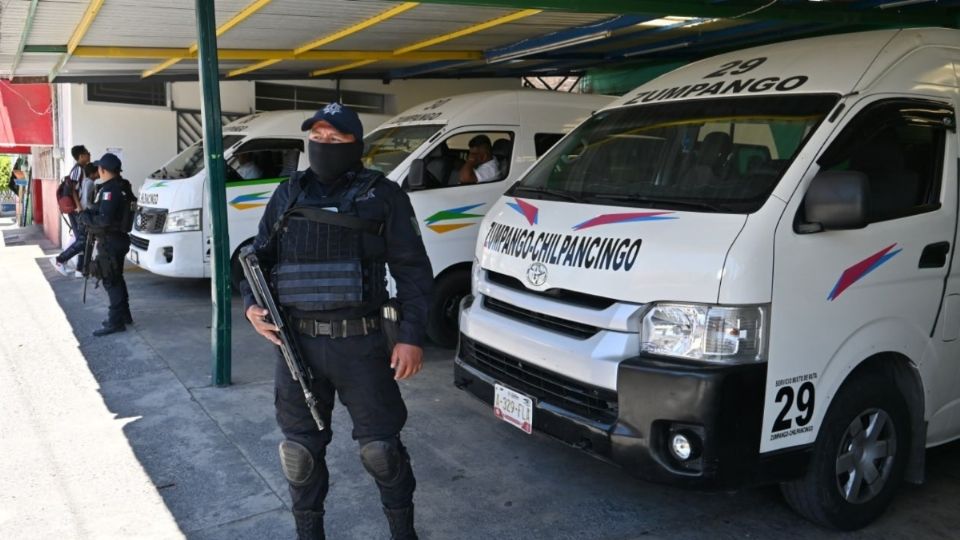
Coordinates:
(211, 452)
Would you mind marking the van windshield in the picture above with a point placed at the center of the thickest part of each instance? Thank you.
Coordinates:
(386, 148)
(189, 162)
(716, 155)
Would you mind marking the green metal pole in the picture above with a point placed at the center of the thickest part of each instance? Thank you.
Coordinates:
(216, 180)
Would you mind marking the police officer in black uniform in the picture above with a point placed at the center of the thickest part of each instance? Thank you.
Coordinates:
(325, 238)
(109, 221)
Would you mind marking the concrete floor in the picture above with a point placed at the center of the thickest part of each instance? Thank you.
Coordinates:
(173, 456)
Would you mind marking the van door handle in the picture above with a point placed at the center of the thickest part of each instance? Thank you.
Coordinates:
(935, 255)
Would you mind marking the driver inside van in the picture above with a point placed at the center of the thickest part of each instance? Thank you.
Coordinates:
(246, 168)
(481, 165)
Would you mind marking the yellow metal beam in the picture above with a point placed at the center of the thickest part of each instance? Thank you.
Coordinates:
(253, 67)
(473, 29)
(409, 49)
(377, 19)
(344, 67)
(304, 49)
(81, 30)
(241, 16)
(260, 55)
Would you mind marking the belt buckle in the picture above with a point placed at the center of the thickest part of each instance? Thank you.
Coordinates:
(316, 328)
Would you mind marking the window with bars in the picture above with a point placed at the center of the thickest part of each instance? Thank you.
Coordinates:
(278, 97)
(138, 93)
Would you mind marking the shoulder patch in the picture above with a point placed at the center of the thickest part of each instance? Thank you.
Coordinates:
(107, 195)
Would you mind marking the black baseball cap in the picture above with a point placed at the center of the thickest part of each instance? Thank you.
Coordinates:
(109, 162)
(338, 116)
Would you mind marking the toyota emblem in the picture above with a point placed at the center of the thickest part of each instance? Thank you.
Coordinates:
(140, 222)
(537, 274)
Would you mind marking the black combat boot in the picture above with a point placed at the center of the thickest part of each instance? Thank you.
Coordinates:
(401, 523)
(309, 525)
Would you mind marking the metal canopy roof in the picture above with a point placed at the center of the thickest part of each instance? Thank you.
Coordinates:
(100, 40)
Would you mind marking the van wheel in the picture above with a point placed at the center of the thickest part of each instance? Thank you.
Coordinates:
(859, 458)
(443, 319)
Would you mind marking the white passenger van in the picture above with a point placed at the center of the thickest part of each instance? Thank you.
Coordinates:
(741, 272)
(172, 230)
(429, 144)
(431, 138)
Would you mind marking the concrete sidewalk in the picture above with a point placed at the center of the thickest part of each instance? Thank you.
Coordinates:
(123, 437)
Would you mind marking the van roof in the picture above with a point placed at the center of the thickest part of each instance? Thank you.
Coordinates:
(831, 64)
(492, 107)
(286, 123)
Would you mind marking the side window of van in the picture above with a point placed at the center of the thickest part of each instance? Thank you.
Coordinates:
(445, 160)
(899, 144)
(263, 159)
(545, 141)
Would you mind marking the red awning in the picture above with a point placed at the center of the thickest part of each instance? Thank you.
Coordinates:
(25, 115)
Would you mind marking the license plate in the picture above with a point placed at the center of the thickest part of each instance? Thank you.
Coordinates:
(134, 256)
(513, 408)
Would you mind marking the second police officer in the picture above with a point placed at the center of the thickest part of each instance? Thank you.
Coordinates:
(329, 277)
(110, 220)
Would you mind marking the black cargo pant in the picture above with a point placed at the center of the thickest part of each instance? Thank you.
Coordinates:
(111, 252)
(357, 369)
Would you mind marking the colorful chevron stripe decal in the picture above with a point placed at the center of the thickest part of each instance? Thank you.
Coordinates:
(450, 214)
(162, 183)
(527, 210)
(609, 219)
(858, 271)
(251, 200)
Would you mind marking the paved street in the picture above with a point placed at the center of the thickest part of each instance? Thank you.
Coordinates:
(124, 437)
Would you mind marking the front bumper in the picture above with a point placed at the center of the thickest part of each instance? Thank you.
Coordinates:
(719, 406)
(178, 254)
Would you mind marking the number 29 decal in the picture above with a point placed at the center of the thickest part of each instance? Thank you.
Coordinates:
(795, 401)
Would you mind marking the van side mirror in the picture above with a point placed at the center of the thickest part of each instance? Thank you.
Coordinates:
(836, 200)
(416, 176)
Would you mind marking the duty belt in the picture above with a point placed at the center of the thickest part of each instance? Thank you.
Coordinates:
(337, 329)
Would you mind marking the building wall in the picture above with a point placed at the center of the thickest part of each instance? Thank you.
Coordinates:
(147, 135)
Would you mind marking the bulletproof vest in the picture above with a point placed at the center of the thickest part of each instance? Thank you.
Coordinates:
(322, 262)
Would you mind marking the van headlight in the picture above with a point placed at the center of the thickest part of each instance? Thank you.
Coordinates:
(720, 334)
(184, 220)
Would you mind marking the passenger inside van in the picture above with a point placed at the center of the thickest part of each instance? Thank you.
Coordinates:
(481, 165)
(246, 167)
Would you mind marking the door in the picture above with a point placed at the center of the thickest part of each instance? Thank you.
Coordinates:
(841, 296)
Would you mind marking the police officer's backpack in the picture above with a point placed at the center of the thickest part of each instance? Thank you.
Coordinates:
(129, 206)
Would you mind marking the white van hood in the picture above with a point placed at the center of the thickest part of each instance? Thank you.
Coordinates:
(172, 195)
(631, 254)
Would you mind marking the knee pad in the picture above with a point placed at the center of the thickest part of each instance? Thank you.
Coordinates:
(297, 462)
(385, 460)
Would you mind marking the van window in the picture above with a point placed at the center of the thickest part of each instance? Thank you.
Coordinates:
(189, 162)
(264, 159)
(899, 144)
(386, 148)
(545, 141)
(719, 155)
(444, 162)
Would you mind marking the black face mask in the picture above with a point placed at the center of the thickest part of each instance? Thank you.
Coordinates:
(331, 161)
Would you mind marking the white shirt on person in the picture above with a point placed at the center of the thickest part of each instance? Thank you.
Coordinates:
(249, 171)
(86, 193)
(488, 171)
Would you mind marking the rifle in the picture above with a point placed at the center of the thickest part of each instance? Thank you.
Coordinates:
(87, 260)
(291, 352)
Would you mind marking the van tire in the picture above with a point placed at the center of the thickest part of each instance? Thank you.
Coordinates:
(818, 495)
(443, 318)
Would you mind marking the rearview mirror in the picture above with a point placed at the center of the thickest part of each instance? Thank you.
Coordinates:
(416, 175)
(836, 200)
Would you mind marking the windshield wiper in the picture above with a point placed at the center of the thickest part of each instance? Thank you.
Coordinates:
(564, 195)
(655, 202)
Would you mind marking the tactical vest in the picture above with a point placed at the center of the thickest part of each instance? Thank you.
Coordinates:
(322, 260)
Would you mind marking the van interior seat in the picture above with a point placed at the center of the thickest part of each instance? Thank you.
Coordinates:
(502, 150)
(893, 187)
(712, 158)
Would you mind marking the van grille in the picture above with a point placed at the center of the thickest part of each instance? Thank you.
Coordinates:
(140, 243)
(549, 322)
(150, 220)
(591, 402)
(563, 295)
